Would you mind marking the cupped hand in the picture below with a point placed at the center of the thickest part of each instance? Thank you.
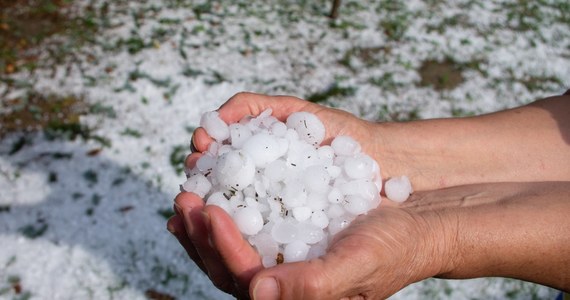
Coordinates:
(337, 122)
(377, 255)
(215, 244)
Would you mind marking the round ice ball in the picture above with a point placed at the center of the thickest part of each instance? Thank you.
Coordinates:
(359, 167)
(398, 189)
(284, 232)
(263, 148)
(325, 152)
(345, 145)
(266, 247)
(235, 170)
(335, 195)
(206, 163)
(239, 134)
(215, 126)
(197, 184)
(316, 201)
(335, 211)
(276, 170)
(294, 195)
(308, 126)
(301, 213)
(361, 187)
(320, 219)
(356, 205)
(310, 233)
(278, 129)
(316, 178)
(220, 200)
(248, 220)
(295, 251)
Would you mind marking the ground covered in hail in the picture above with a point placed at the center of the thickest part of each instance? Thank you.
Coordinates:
(98, 100)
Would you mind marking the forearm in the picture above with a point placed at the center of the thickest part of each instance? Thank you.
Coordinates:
(517, 230)
(530, 143)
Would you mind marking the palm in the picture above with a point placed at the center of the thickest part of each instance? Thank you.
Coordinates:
(379, 245)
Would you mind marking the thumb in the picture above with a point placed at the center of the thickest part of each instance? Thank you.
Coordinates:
(333, 276)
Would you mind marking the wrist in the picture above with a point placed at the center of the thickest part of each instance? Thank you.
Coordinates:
(434, 154)
(409, 149)
(440, 253)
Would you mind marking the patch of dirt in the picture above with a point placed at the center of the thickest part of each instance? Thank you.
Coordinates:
(37, 112)
(24, 24)
(444, 75)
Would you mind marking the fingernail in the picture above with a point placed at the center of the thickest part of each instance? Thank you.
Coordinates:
(170, 228)
(266, 289)
(177, 208)
(192, 146)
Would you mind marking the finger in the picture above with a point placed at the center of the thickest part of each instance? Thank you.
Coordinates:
(200, 140)
(191, 160)
(192, 147)
(238, 255)
(176, 226)
(191, 207)
(250, 104)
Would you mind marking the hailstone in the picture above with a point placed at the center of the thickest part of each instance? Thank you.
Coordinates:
(287, 194)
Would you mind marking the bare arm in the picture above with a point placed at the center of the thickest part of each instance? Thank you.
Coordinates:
(517, 230)
(529, 143)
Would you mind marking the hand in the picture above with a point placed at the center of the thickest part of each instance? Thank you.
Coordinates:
(337, 122)
(215, 244)
(462, 232)
(377, 255)
(193, 233)
(196, 232)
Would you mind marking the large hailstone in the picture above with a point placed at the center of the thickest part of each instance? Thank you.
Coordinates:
(235, 170)
(398, 189)
(197, 184)
(263, 148)
(249, 220)
(287, 194)
(216, 127)
(308, 126)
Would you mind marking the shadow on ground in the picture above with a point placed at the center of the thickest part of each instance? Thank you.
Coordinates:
(74, 224)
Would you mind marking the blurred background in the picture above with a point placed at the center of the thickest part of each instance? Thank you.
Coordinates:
(99, 98)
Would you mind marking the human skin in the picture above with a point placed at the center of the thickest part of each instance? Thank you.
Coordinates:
(463, 232)
(517, 230)
(524, 144)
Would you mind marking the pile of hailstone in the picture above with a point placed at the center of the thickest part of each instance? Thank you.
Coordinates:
(287, 194)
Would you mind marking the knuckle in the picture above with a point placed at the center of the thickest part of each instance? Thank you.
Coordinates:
(240, 96)
(317, 285)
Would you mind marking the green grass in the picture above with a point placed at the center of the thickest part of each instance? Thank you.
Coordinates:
(177, 157)
(332, 91)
